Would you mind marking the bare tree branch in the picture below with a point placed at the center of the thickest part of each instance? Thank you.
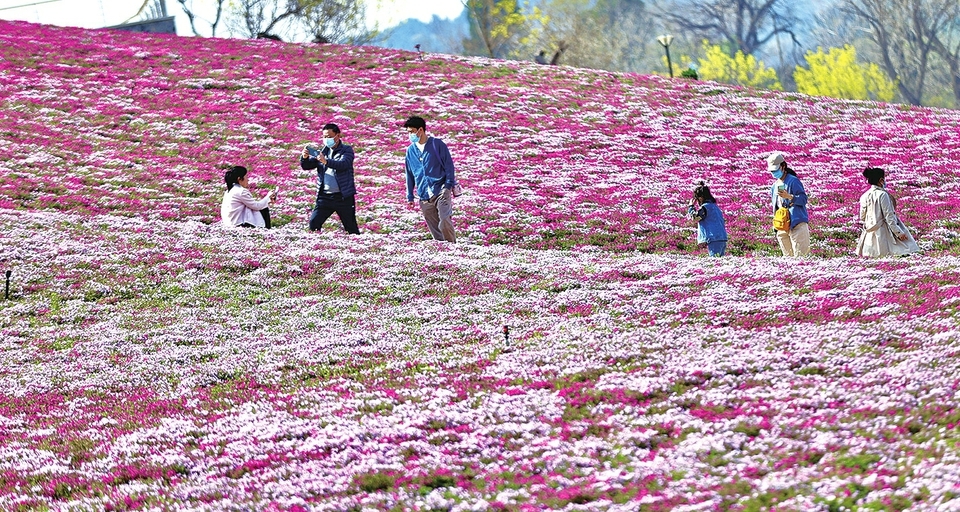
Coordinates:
(944, 33)
(339, 21)
(907, 34)
(746, 24)
(192, 17)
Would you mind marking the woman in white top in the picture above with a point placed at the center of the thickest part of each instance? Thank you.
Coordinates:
(239, 208)
(883, 232)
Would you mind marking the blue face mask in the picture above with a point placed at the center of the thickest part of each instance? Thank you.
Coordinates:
(329, 142)
(414, 138)
(778, 174)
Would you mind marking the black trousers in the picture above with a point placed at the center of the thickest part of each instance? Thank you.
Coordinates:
(327, 204)
(266, 220)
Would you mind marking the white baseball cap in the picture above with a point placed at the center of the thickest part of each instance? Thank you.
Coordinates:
(774, 161)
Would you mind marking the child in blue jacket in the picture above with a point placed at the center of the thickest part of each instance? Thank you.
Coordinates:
(711, 229)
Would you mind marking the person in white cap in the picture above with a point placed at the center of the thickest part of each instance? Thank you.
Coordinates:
(788, 192)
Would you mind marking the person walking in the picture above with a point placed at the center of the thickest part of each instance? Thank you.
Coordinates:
(431, 175)
(239, 208)
(787, 192)
(883, 234)
(711, 228)
(336, 190)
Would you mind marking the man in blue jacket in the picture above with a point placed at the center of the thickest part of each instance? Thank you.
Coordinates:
(335, 187)
(430, 174)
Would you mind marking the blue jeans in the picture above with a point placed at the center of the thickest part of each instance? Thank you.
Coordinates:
(717, 249)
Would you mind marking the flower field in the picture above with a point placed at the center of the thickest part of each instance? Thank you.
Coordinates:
(576, 351)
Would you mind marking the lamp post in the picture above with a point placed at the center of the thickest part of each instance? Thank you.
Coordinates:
(665, 41)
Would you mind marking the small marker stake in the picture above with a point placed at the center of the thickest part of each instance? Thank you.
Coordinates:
(6, 293)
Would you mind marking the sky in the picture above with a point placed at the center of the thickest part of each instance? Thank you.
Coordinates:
(105, 13)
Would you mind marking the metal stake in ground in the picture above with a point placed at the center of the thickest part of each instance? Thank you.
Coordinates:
(6, 293)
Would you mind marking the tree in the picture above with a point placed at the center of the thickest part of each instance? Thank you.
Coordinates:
(906, 34)
(946, 42)
(834, 26)
(265, 18)
(501, 28)
(598, 34)
(628, 28)
(578, 26)
(335, 21)
(838, 74)
(192, 16)
(746, 24)
(720, 66)
(340, 22)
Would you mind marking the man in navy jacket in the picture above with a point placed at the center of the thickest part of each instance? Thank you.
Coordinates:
(335, 186)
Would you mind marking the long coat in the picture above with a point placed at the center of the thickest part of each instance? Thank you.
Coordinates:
(881, 227)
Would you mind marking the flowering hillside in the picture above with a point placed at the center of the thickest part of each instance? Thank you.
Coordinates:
(553, 157)
(150, 360)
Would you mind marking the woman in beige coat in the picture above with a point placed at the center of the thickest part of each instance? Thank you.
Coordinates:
(883, 232)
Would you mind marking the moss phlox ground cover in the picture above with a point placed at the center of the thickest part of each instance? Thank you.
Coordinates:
(151, 360)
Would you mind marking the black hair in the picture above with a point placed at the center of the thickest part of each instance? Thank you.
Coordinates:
(232, 177)
(702, 193)
(332, 127)
(873, 175)
(787, 169)
(415, 122)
